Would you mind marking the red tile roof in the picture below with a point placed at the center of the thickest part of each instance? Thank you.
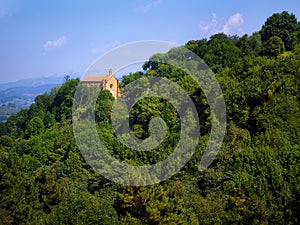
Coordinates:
(94, 79)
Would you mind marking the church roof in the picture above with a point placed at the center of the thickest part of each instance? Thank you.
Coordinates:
(97, 78)
(94, 79)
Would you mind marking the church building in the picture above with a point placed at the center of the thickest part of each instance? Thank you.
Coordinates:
(108, 82)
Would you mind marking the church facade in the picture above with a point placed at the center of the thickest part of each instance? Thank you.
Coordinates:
(108, 82)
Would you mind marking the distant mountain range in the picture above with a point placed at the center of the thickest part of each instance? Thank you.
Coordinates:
(35, 82)
(21, 94)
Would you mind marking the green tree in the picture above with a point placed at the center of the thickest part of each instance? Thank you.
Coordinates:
(103, 106)
(34, 127)
(126, 79)
(166, 203)
(199, 47)
(273, 47)
(43, 102)
(3, 129)
(283, 25)
(63, 100)
(11, 125)
(22, 120)
(250, 45)
(221, 52)
(19, 202)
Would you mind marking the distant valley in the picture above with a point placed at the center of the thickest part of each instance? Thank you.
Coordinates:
(21, 94)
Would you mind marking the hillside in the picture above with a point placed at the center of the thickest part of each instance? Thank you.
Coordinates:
(255, 178)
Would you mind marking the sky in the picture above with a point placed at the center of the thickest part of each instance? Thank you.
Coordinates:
(52, 37)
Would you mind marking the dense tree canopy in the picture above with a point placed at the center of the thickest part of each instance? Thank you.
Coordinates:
(255, 178)
(283, 25)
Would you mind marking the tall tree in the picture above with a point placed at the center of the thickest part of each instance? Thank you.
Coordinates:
(273, 47)
(221, 52)
(283, 25)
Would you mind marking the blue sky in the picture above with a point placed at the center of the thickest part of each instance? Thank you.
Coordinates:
(45, 38)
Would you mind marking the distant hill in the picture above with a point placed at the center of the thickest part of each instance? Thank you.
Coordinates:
(27, 94)
(34, 82)
(21, 94)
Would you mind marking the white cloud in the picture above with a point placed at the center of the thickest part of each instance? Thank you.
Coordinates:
(232, 23)
(148, 7)
(56, 43)
(101, 49)
(229, 26)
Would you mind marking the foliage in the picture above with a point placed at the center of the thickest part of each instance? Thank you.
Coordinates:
(273, 47)
(283, 25)
(255, 178)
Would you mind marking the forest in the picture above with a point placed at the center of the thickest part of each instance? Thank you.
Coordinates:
(255, 178)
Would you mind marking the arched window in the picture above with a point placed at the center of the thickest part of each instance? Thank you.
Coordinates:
(111, 85)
